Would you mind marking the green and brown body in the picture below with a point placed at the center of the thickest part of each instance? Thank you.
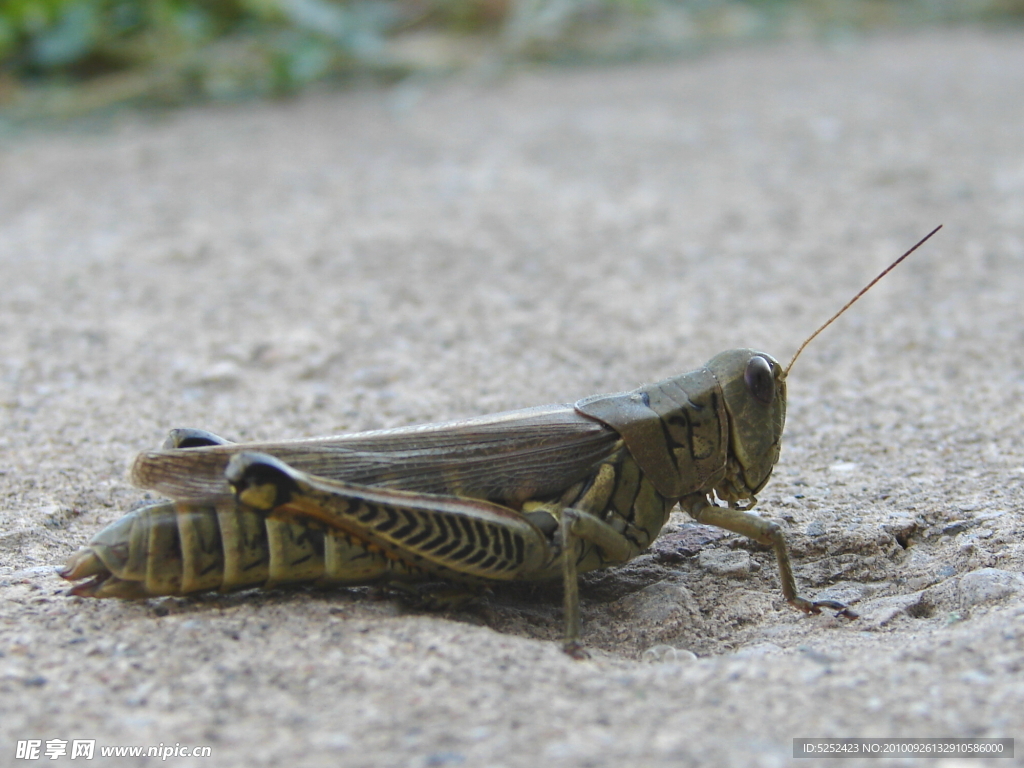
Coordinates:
(174, 548)
(539, 493)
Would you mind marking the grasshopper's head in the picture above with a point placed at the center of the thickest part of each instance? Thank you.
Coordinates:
(754, 387)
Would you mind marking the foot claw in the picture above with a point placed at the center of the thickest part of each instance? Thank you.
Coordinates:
(841, 609)
(575, 649)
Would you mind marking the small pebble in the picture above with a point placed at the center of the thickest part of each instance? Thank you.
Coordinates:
(957, 526)
(815, 529)
(661, 602)
(723, 562)
(662, 654)
(986, 585)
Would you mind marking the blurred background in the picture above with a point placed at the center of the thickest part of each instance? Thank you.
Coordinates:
(65, 57)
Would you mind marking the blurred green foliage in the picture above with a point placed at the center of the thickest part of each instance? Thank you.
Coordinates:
(190, 47)
(178, 50)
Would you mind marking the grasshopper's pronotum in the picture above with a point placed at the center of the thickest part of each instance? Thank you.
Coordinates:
(538, 493)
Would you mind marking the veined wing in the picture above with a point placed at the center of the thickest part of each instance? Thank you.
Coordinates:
(507, 457)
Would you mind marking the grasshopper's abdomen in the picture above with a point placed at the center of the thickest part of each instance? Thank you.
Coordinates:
(176, 548)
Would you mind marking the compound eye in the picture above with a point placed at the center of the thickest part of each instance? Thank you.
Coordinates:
(760, 380)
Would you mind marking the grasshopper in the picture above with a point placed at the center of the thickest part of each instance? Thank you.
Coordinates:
(532, 494)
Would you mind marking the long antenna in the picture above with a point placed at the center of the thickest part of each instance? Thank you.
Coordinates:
(864, 290)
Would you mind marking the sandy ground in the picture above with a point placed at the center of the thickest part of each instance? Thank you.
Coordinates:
(352, 261)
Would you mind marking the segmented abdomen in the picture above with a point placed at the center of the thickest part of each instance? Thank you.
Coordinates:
(174, 548)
